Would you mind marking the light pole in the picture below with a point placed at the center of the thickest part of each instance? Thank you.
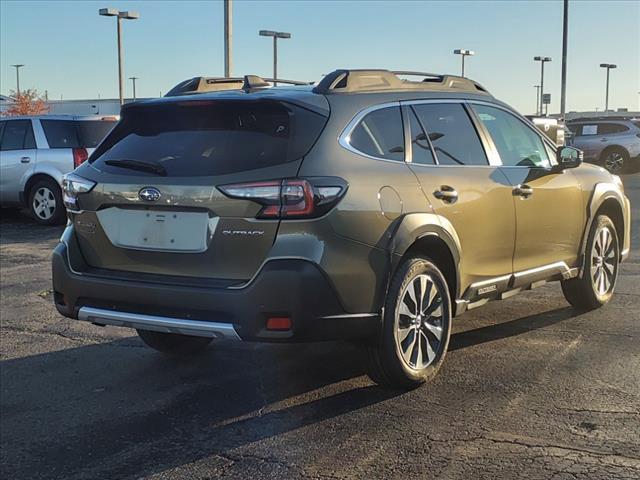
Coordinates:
(565, 43)
(228, 38)
(537, 87)
(608, 66)
(276, 36)
(113, 12)
(464, 53)
(17, 67)
(133, 79)
(542, 61)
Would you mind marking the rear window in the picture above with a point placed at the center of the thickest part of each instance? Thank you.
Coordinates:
(206, 138)
(76, 133)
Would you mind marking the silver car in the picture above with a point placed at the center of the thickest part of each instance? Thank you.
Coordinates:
(36, 151)
(613, 143)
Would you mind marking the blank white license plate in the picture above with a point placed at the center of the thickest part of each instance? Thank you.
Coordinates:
(157, 230)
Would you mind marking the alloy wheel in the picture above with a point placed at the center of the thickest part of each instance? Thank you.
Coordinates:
(603, 262)
(614, 162)
(420, 322)
(44, 203)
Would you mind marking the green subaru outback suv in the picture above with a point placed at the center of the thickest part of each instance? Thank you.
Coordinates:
(367, 207)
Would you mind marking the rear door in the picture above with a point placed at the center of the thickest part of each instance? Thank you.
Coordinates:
(159, 206)
(17, 158)
(549, 206)
(465, 190)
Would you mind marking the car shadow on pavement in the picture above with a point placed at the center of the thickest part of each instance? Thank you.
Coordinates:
(119, 410)
(511, 328)
(16, 226)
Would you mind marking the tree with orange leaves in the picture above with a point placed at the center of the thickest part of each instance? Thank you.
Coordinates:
(28, 102)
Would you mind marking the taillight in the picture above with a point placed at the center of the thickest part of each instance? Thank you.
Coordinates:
(291, 198)
(80, 155)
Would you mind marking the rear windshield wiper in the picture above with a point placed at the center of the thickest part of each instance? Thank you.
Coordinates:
(138, 165)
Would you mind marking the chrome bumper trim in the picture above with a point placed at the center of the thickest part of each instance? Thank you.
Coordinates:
(180, 326)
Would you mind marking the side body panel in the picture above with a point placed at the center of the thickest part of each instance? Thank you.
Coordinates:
(550, 222)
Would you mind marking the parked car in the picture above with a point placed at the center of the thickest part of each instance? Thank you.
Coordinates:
(551, 127)
(613, 143)
(366, 208)
(36, 151)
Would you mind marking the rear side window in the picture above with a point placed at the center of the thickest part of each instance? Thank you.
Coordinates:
(206, 138)
(518, 145)
(380, 134)
(60, 133)
(452, 134)
(75, 133)
(17, 135)
(92, 132)
(609, 128)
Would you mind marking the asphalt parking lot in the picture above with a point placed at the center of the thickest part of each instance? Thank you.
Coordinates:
(530, 389)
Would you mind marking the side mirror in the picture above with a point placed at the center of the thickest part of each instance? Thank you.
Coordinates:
(569, 157)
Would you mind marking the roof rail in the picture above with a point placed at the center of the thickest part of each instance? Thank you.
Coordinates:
(604, 117)
(351, 81)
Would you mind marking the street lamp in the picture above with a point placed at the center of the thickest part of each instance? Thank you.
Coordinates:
(542, 61)
(537, 87)
(608, 66)
(133, 79)
(17, 67)
(276, 36)
(113, 12)
(464, 53)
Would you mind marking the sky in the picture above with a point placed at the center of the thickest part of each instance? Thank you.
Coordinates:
(70, 51)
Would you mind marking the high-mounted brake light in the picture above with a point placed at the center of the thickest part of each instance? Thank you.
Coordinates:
(290, 198)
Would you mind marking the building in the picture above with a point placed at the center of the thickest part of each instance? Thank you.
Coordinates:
(100, 106)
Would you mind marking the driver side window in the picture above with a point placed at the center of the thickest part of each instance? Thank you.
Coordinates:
(517, 144)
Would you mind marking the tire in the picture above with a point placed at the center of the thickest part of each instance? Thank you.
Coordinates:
(173, 343)
(615, 160)
(45, 202)
(396, 359)
(596, 285)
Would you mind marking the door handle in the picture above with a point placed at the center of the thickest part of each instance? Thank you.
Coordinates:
(446, 194)
(25, 159)
(524, 191)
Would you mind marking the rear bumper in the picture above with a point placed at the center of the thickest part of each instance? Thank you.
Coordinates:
(294, 288)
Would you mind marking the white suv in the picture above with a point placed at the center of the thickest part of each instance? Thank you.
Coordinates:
(36, 151)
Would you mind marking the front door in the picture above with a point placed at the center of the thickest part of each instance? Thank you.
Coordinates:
(466, 191)
(17, 158)
(549, 205)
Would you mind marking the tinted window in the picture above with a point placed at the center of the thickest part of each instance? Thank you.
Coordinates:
(204, 139)
(92, 132)
(15, 133)
(452, 134)
(75, 133)
(637, 124)
(380, 134)
(60, 133)
(609, 128)
(29, 139)
(517, 143)
(420, 146)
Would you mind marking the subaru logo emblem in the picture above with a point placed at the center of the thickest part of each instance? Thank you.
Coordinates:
(149, 194)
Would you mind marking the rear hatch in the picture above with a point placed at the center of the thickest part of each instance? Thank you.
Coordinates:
(158, 207)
